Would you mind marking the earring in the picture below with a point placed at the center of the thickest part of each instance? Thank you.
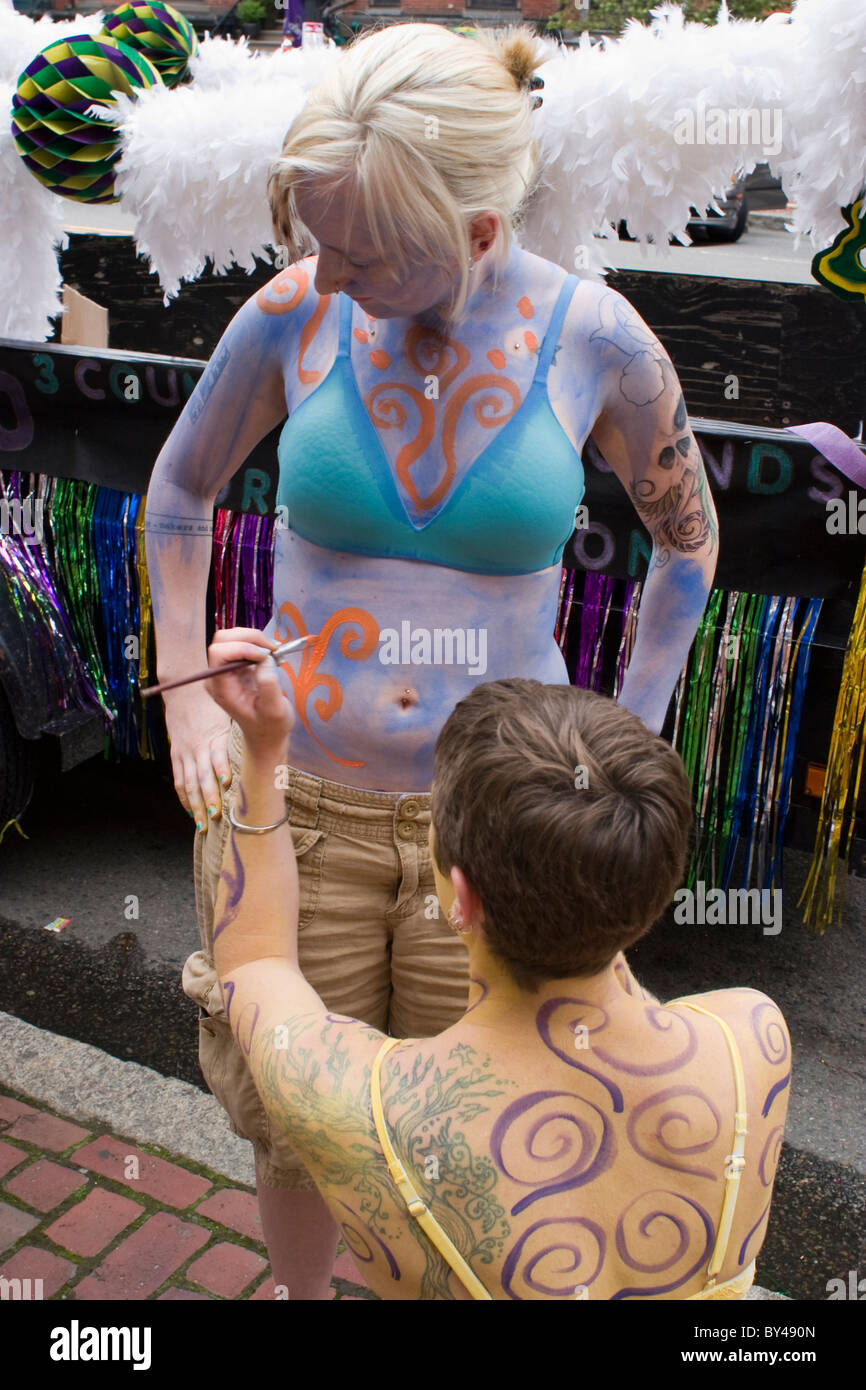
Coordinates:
(455, 920)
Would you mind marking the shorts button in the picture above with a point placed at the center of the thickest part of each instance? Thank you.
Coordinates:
(406, 832)
(409, 808)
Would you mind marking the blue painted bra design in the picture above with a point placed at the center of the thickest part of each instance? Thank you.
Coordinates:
(511, 513)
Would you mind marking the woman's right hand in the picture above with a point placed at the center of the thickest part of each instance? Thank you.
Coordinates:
(199, 733)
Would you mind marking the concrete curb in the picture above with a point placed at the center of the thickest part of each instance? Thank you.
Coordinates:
(89, 1086)
(95, 1089)
(776, 218)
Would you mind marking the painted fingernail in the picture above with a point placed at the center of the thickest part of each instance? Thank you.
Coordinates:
(211, 810)
(222, 778)
(198, 825)
(191, 815)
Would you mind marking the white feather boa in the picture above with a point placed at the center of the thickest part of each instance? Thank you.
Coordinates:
(31, 218)
(195, 159)
(203, 196)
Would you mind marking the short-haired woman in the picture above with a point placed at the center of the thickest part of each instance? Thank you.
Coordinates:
(440, 384)
(567, 1137)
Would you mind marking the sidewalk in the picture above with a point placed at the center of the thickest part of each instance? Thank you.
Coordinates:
(95, 1212)
(772, 217)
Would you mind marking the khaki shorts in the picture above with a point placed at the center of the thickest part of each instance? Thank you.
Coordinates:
(370, 939)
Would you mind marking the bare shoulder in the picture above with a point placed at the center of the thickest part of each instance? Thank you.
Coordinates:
(764, 1043)
(286, 292)
(299, 323)
(603, 319)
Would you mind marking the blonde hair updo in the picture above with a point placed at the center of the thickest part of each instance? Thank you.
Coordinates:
(425, 128)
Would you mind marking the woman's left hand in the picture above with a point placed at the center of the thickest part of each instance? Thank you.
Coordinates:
(253, 697)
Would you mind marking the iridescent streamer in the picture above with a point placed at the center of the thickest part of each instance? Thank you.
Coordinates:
(151, 723)
(781, 797)
(595, 610)
(71, 516)
(564, 630)
(707, 792)
(745, 631)
(563, 577)
(764, 780)
(47, 661)
(841, 782)
(243, 569)
(631, 609)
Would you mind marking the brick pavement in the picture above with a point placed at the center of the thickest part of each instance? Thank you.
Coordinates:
(95, 1216)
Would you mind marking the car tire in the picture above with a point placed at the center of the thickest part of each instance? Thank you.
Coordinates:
(731, 233)
(16, 766)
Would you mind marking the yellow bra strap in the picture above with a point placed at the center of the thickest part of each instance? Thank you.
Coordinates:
(417, 1207)
(736, 1161)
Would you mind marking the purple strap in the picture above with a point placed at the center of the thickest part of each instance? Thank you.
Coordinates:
(837, 447)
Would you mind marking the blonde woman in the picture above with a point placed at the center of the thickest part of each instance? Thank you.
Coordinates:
(440, 384)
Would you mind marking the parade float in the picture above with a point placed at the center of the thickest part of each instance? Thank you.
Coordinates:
(770, 710)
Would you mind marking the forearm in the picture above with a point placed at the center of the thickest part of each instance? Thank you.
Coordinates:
(256, 911)
(672, 603)
(178, 531)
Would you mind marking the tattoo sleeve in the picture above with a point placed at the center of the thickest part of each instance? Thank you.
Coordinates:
(311, 1087)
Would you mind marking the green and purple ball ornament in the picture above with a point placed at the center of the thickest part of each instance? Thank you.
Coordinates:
(67, 149)
(160, 32)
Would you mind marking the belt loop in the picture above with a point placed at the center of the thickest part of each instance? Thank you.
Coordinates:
(304, 792)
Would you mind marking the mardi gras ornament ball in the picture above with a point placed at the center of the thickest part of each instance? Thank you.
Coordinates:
(161, 33)
(66, 146)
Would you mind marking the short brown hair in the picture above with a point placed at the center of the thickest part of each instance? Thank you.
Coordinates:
(571, 865)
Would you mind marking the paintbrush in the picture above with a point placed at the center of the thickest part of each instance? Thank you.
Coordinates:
(285, 649)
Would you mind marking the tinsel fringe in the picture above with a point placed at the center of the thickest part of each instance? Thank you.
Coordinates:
(83, 600)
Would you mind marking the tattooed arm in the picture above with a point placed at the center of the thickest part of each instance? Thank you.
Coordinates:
(238, 400)
(643, 432)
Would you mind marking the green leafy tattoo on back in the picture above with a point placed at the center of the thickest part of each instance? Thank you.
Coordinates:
(458, 1182)
(309, 1078)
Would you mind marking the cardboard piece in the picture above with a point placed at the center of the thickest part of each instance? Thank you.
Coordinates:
(83, 322)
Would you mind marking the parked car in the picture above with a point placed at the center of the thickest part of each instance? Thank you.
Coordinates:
(728, 225)
(760, 189)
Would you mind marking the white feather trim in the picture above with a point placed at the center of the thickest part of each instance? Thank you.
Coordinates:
(31, 226)
(613, 133)
(204, 197)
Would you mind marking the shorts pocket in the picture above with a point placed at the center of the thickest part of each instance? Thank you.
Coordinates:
(230, 1081)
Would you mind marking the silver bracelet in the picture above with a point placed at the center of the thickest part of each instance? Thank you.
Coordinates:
(254, 829)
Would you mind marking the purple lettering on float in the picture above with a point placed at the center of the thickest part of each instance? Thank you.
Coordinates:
(82, 367)
(173, 397)
(20, 436)
(824, 472)
(608, 546)
(722, 474)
